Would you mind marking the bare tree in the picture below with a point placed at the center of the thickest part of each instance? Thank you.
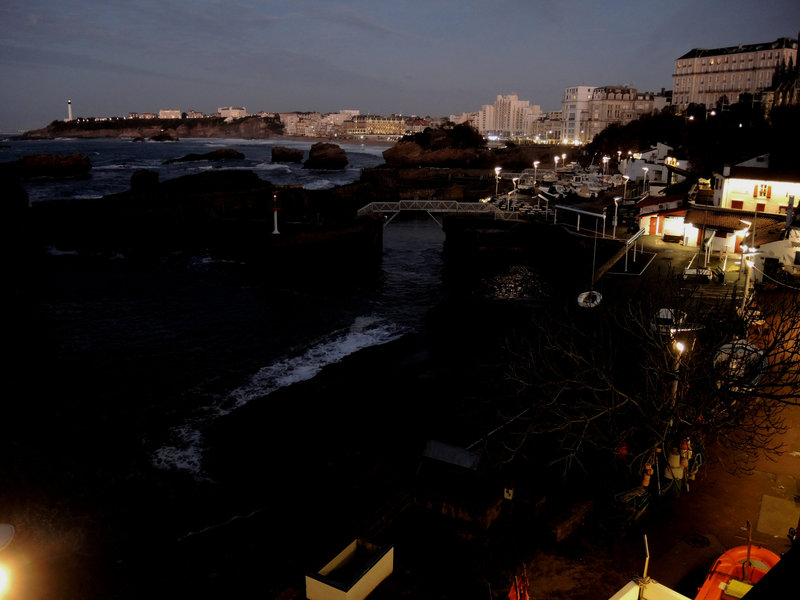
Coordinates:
(614, 385)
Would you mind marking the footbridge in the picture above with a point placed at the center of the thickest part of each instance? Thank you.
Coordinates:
(436, 207)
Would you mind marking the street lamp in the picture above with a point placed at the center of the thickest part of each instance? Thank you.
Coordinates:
(605, 165)
(535, 167)
(644, 187)
(616, 206)
(515, 181)
(564, 159)
(556, 159)
(496, 180)
(625, 186)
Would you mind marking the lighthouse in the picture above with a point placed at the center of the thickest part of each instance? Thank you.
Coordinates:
(69, 110)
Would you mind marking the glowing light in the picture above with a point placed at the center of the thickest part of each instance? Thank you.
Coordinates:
(3, 580)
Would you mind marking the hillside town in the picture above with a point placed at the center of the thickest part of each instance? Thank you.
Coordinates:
(712, 78)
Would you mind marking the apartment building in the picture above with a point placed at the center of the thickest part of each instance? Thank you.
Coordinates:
(576, 113)
(507, 117)
(721, 75)
(169, 114)
(620, 104)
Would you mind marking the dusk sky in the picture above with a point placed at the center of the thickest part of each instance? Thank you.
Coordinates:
(431, 57)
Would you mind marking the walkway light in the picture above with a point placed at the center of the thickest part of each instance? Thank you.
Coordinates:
(535, 167)
(625, 186)
(645, 169)
(496, 179)
(556, 159)
(616, 206)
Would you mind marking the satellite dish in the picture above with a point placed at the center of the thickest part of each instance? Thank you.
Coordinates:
(6, 534)
(589, 299)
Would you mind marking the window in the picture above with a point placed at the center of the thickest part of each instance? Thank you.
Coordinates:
(737, 204)
(762, 190)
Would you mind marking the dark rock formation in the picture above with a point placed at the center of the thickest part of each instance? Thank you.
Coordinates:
(165, 136)
(227, 212)
(48, 165)
(210, 127)
(144, 181)
(406, 154)
(326, 156)
(282, 154)
(412, 154)
(221, 154)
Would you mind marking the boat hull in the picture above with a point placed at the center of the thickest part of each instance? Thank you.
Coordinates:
(736, 571)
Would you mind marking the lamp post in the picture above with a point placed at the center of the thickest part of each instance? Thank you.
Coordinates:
(496, 180)
(616, 206)
(515, 181)
(625, 186)
(535, 168)
(557, 159)
(644, 186)
(605, 165)
(745, 264)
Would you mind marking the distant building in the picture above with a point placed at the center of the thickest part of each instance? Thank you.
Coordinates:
(588, 110)
(133, 115)
(194, 114)
(508, 117)
(148, 116)
(232, 112)
(378, 126)
(618, 104)
(169, 114)
(549, 129)
(576, 113)
(721, 75)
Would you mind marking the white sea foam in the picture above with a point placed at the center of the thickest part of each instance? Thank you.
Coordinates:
(185, 450)
(318, 184)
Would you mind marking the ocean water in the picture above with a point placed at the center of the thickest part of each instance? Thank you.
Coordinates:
(135, 361)
(114, 161)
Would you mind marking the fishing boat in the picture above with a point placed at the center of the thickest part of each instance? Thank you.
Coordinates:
(736, 571)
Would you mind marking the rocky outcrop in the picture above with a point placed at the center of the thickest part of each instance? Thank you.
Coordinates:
(211, 127)
(166, 136)
(326, 156)
(406, 154)
(54, 166)
(221, 154)
(411, 154)
(282, 154)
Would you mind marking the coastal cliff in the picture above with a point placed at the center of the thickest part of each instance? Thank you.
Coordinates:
(210, 127)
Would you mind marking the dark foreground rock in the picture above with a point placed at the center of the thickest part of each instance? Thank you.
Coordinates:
(54, 166)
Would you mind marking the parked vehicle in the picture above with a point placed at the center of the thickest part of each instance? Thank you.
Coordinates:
(699, 274)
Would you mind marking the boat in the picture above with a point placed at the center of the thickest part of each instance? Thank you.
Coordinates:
(736, 571)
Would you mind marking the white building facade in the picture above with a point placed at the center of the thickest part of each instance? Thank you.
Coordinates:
(720, 75)
(576, 111)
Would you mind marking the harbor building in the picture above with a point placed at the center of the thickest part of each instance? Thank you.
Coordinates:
(721, 75)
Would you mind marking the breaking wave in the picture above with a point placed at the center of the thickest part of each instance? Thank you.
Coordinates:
(185, 451)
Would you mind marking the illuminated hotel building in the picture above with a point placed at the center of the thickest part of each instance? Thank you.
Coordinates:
(707, 77)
